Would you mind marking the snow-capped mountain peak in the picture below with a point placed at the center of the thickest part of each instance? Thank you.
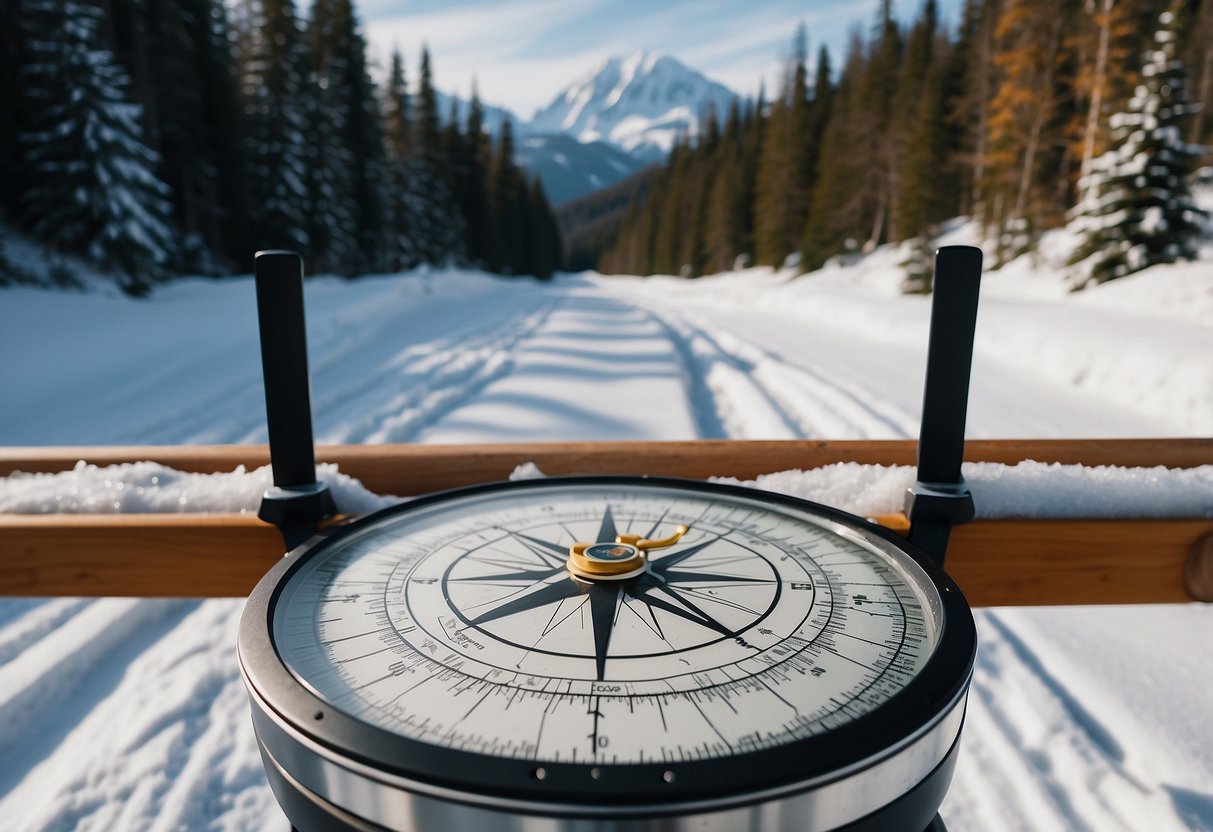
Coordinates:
(640, 103)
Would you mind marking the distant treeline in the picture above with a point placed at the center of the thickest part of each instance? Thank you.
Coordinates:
(999, 120)
(162, 136)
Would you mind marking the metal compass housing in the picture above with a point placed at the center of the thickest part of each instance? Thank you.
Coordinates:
(740, 652)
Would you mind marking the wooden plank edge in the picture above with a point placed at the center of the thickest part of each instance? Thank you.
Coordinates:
(416, 469)
(995, 562)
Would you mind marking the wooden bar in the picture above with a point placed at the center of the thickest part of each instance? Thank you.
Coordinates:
(415, 469)
(996, 562)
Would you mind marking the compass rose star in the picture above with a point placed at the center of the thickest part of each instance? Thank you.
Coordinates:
(668, 585)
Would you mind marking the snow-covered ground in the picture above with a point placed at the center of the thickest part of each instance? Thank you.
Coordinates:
(120, 714)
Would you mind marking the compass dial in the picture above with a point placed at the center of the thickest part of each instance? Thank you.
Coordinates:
(599, 637)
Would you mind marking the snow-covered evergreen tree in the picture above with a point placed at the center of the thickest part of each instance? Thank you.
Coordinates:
(1137, 208)
(92, 188)
(271, 78)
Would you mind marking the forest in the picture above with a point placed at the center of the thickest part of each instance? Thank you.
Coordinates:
(1027, 115)
(178, 136)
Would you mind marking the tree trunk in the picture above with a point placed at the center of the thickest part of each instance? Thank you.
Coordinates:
(1104, 19)
(1038, 121)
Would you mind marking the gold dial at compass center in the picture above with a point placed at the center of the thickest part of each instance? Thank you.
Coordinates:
(625, 557)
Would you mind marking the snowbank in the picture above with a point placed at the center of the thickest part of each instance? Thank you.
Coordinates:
(1029, 489)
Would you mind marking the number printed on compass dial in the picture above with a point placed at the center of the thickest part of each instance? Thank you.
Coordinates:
(610, 625)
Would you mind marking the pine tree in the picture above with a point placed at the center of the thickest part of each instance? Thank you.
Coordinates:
(912, 91)
(836, 217)
(785, 166)
(333, 227)
(924, 197)
(505, 200)
(272, 66)
(226, 228)
(724, 232)
(91, 183)
(1138, 209)
(426, 140)
(542, 237)
(403, 250)
(364, 137)
(970, 78)
(873, 114)
(441, 231)
(476, 152)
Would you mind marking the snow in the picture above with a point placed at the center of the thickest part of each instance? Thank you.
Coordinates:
(129, 714)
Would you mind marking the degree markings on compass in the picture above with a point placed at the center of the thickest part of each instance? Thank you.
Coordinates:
(356, 635)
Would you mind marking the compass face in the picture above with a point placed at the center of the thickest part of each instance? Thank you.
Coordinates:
(609, 639)
(462, 626)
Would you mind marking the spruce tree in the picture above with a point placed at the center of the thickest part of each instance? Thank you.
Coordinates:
(912, 91)
(440, 229)
(333, 226)
(272, 67)
(91, 183)
(505, 191)
(226, 228)
(836, 217)
(872, 114)
(476, 153)
(785, 167)
(403, 250)
(924, 196)
(725, 218)
(1138, 209)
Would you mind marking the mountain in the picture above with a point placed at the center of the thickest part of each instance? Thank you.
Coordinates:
(570, 169)
(640, 104)
(624, 115)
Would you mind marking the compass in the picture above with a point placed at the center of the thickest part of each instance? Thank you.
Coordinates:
(608, 654)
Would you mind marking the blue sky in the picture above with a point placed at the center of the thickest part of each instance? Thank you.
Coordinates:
(523, 52)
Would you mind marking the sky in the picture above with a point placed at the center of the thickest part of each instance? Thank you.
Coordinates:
(524, 52)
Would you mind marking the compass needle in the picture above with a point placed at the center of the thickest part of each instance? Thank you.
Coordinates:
(523, 651)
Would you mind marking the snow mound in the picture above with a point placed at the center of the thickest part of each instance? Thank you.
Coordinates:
(1028, 489)
(152, 488)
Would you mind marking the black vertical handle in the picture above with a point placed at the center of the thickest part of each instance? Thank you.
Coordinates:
(288, 404)
(949, 363)
(939, 500)
(297, 503)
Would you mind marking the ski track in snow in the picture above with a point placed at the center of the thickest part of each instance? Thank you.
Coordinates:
(756, 394)
(130, 714)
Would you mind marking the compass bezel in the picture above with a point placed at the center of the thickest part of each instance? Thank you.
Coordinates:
(636, 789)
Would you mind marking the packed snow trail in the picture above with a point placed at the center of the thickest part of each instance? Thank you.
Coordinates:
(118, 714)
(596, 367)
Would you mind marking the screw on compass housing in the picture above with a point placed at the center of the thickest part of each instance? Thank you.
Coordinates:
(939, 498)
(297, 502)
